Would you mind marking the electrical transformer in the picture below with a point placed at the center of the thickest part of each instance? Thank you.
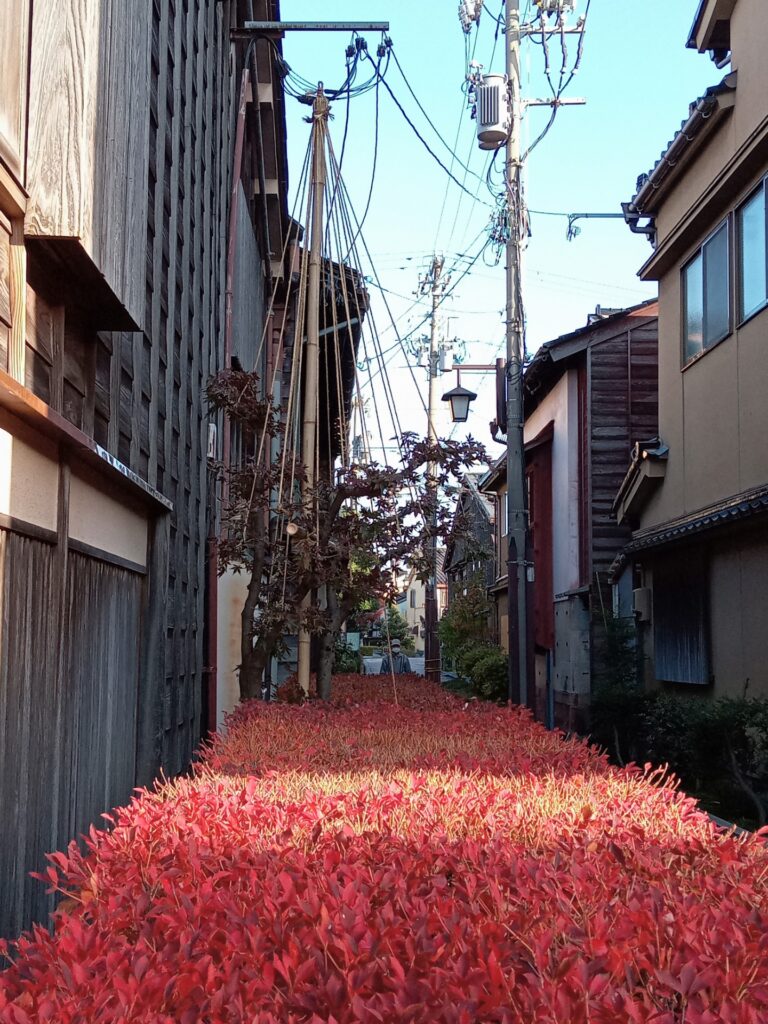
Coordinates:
(493, 113)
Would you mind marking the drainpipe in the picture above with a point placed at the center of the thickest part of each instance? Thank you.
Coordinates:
(237, 167)
(264, 218)
(212, 545)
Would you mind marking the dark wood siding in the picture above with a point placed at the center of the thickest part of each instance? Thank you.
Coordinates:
(623, 408)
(68, 688)
(539, 478)
(158, 416)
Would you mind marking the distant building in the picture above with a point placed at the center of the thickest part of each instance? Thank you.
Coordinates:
(588, 397)
(470, 556)
(696, 570)
(415, 602)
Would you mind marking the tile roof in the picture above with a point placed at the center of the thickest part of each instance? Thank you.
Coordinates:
(690, 127)
(732, 510)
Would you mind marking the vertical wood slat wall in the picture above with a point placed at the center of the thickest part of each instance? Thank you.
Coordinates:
(114, 690)
(101, 668)
(68, 668)
(160, 405)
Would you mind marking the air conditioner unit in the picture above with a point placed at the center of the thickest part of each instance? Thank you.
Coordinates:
(493, 112)
(641, 602)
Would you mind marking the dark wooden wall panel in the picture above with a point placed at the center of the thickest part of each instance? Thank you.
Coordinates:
(68, 702)
(623, 409)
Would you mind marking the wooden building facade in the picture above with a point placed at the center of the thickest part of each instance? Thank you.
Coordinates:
(122, 287)
(589, 396)
(470, 555)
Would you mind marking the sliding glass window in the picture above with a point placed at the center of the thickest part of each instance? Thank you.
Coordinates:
(753, 264)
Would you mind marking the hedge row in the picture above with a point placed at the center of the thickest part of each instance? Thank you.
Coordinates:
(419, 861)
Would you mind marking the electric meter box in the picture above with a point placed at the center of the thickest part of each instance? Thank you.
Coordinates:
(493, 114)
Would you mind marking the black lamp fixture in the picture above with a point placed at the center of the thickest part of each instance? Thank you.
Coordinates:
(459, 398)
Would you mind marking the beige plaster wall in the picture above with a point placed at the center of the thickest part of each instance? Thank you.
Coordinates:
(749, 45)
(752, 407)
(738, 592)
(503, 621)
(232, 591)
(103, 522)
(713, 413)
(561, 406)
(29, 481)
(709, 160)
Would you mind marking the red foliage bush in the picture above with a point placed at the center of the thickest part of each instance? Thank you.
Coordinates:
(372, 862)
(349, 688)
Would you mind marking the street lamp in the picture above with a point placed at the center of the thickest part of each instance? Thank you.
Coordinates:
(459, 398)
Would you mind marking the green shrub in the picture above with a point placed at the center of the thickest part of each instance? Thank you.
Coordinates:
(345, 659)
(717, 748)
(465, 623)
(489, 675)
(485, 666)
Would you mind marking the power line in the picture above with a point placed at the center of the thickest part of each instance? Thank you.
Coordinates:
(430, 122)
(426, 145)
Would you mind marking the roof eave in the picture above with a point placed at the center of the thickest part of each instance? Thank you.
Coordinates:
(711, 33)
(705, 118)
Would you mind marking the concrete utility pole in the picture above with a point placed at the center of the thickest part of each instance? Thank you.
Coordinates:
(320, 111)
(434, 283)
(519, 690)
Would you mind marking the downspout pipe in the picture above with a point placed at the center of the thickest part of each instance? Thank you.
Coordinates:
(212, 544)
(263, 211)
(237, 168)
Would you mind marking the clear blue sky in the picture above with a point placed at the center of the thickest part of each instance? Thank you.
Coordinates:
(637, 78)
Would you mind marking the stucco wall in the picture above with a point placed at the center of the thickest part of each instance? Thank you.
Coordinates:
(561, 406)
(232, 591)
(713, 413)
(103, 522)
(738, 617)
(749, 45)
(29, 481)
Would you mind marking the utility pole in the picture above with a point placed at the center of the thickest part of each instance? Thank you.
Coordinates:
(519, 690)
(320, 111)
(435, 284)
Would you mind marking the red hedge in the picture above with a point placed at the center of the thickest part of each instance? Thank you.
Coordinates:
(372, 862)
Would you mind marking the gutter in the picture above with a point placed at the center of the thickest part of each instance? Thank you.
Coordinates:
(644, 202)
(702, 112)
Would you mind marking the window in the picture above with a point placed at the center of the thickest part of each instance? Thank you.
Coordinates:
(681, 620)
(753, 264)
(504, 525)
(706, 296)
(412, 598)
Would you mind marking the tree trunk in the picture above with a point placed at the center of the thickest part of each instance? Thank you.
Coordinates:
(252, 673)
(252, 661)
(325, 664)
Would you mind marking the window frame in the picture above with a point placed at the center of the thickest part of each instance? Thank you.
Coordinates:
(742, 317)
(700, 251)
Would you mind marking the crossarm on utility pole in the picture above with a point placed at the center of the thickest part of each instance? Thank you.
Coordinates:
(250, 28)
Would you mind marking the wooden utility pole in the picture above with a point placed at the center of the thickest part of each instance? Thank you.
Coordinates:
(517, 513)
(320, 110)
(431, 643)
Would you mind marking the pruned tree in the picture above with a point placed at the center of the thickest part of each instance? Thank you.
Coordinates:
(347, 540)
